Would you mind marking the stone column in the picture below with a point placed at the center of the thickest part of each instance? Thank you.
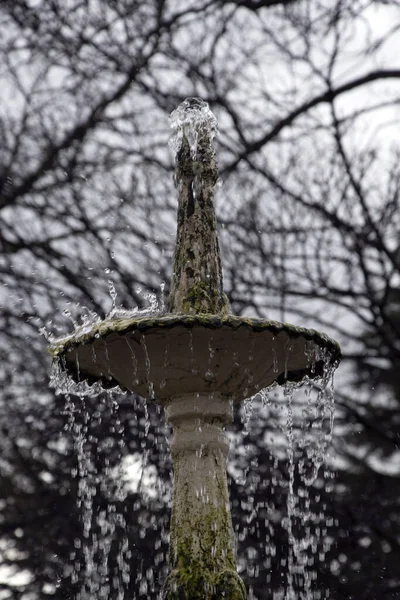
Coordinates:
(196, 285)
(202, 544)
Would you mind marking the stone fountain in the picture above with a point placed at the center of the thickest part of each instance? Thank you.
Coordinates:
(197, 361)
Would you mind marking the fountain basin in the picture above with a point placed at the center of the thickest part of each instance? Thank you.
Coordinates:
(161, 357)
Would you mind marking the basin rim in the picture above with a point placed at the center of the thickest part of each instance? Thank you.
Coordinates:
(142, 324)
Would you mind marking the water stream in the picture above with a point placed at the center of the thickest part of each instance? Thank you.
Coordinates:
(298, 426)
(101, 549)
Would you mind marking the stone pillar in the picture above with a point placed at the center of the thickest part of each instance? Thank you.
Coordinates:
(196, 285)
(202, 544)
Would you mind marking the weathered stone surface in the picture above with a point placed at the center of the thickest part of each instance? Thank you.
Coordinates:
(202, 544)
(196, 285)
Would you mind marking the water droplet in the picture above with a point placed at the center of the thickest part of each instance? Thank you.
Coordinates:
(113, 293)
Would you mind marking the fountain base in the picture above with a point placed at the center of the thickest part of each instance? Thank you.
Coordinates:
(202, 545)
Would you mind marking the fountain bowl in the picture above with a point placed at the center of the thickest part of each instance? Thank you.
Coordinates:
(164, 356)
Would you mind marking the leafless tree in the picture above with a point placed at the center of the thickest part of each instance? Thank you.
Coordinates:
(306, 94)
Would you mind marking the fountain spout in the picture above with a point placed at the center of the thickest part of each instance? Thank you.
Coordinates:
(196, 285)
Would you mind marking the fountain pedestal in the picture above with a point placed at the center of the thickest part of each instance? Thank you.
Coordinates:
(202, 544)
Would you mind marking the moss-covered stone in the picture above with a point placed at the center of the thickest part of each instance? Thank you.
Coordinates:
(202, 544)
(191, 584)
(210, 321)
(196, 285)
(199, 298)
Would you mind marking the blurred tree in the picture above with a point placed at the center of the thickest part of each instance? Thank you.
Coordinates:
(307, 101)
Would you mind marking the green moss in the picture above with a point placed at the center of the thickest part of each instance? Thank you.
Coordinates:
(213, 531)
(181, 214)
(200, 299)
(201, 550)
(203, 578)
(192, 584)
(209, 321)
(190, 255)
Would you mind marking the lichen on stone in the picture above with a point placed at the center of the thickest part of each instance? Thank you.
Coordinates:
(192, 584)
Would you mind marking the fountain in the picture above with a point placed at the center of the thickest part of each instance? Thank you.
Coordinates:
(197, 361)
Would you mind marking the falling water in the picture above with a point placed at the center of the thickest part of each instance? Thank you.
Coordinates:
(101, 560)
(300, 418)
(101, 549)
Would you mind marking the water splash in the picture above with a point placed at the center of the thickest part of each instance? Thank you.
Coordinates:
(163, 307)
(154, 306)
(63, 383)
(87, 317)
(60, 379)
(113, 293)
(193, 120)
(47, 334)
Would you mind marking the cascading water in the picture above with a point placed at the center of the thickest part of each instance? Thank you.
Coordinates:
(300, 417)
(98, 476)
(197, 361)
